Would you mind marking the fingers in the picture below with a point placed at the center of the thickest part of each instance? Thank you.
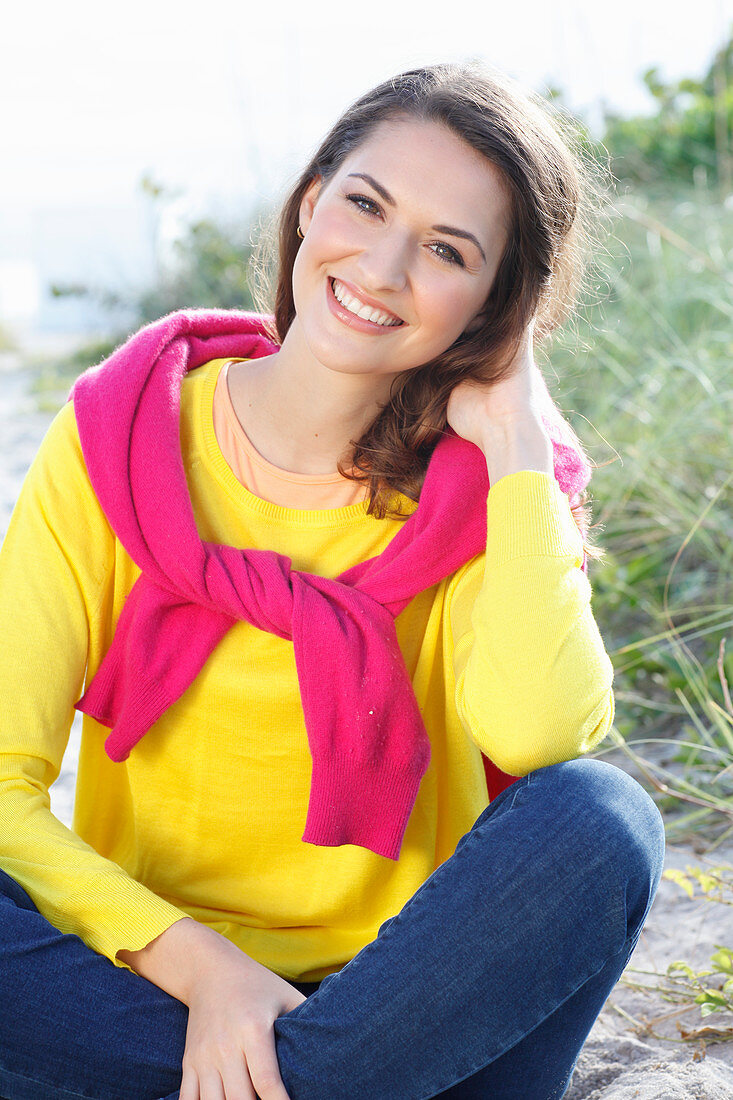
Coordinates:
(263, 1065)
(238, 1077)
(231, 1082)
(211, 1087)
(189, 1089)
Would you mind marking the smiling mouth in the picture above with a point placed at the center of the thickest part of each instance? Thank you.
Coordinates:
(395, 322)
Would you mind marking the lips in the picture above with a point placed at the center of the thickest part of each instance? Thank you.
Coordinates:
(365, 300)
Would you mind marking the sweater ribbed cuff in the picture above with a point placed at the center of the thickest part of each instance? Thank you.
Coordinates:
(118, 913)
(353, 802)
(528, 515)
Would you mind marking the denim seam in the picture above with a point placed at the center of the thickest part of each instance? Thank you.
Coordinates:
(67, 1092)
(518, 788)
(51, 1085)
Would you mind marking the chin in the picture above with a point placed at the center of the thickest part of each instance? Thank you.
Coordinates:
(346, 356)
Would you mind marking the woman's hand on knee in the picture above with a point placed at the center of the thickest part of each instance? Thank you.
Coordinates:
(230, 1049)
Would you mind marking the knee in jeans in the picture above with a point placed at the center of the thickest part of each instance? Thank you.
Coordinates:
(625, 823)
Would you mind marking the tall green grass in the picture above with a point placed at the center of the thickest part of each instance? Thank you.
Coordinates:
(646, 378)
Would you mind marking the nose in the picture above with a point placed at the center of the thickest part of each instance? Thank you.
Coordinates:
(383, 264)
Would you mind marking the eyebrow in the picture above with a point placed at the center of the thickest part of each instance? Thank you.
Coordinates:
(450, 229)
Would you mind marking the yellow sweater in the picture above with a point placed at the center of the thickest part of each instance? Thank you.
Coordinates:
(204, 819)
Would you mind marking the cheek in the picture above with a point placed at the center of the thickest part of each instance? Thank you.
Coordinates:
(331, 233)
(449, 310)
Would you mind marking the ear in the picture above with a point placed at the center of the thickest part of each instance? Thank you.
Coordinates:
(308, 203)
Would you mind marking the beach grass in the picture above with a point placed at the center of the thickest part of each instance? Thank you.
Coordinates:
(645, 378)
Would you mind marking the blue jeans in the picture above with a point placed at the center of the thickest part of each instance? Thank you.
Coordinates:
(484, 985)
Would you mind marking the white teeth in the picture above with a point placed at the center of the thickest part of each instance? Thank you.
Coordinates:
(360, 309)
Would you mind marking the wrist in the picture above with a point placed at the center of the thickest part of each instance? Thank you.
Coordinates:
(180, 957)
(511, 446)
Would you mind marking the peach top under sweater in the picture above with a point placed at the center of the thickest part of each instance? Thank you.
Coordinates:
(268, 482)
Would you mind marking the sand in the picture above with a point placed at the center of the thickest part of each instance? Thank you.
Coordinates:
(648, 1059)
(634, 1050)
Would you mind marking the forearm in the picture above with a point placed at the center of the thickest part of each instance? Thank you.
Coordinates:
(174, 960)
(520, 445)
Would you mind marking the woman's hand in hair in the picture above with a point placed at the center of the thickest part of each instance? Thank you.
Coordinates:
(478, 410)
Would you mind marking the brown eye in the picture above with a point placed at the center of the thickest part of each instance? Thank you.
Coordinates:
(357, 199)
(453, 257)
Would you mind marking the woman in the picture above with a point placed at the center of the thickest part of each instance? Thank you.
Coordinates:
(312, 646)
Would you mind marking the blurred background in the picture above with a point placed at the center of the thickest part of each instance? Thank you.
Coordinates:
(142, 142)
(123, 132)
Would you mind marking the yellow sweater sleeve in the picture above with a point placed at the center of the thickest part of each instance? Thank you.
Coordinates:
(533, 679)
(56, 569)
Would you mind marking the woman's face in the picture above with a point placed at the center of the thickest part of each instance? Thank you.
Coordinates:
(421, 239)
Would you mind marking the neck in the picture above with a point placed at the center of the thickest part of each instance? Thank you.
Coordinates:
(299, 414)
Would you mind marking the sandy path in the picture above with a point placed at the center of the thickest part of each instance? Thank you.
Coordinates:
(617, 1062)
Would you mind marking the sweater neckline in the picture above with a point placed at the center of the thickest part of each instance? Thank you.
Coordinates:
(246, 443)
(306, 518)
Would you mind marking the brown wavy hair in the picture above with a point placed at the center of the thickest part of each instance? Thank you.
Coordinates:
(556, 196)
